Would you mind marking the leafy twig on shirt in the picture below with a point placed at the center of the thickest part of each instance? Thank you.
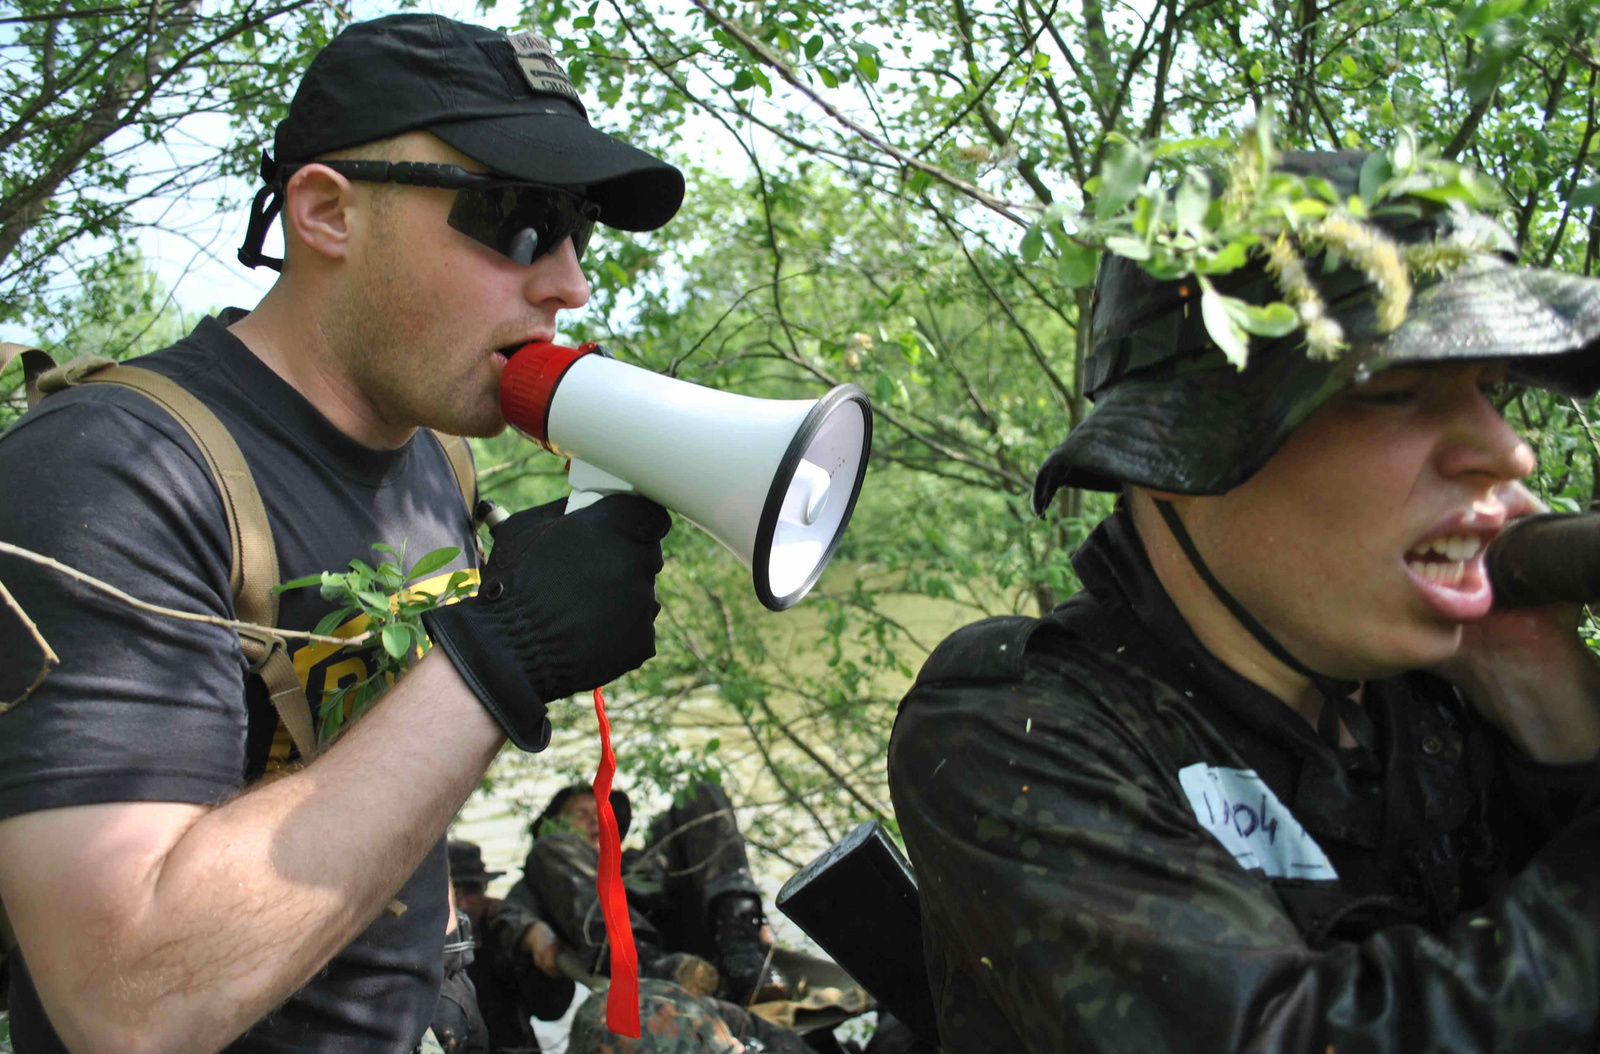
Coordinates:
(387, 602)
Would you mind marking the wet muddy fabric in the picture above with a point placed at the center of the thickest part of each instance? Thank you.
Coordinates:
(1122, 845)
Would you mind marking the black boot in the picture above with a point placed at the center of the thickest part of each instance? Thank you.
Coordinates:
(748, 975)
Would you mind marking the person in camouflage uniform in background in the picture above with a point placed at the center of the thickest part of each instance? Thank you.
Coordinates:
(690, 892)
(1277, 778)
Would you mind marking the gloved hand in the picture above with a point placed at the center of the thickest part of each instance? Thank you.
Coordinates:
(566, 603)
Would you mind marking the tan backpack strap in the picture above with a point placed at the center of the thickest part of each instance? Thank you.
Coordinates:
(35, 365)
(460, 455)
(254, 570)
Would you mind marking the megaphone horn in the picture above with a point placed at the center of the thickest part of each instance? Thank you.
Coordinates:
(774, 480)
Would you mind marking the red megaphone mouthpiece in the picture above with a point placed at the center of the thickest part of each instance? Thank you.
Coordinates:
(529, 381)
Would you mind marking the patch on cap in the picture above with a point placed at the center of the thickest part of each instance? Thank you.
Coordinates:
(539, 67)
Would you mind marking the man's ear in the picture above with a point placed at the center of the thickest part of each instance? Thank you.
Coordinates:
(316, 211)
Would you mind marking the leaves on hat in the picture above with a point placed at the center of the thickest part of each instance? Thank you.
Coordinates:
(1265, 212)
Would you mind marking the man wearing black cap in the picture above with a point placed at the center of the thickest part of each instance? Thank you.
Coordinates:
(1278, 778)
(437, 184)
(510, 986)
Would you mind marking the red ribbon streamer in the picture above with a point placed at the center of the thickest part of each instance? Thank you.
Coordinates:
(622, 997)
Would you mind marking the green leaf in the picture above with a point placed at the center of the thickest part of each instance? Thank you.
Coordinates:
(1230, 257)
(378, 602)
(1121, 176)
(396, 641)
(1473, 19)
(1077, 266)
(1484, 76)
(1274, 320)
(333, 620)
(1131, 248)
(1193, 201)
(616, 272)
(1322, 189)
(1348, 64)
(1041, 61)
(1586, 195)
(299, 583)
(1375, 172)
(884, 388)
(1032, 243)
(1220, 324)
(1256, 71)
(432, 562)
(868, 65)
(919, 181)
(813, 46)
(741, 81)
(332, 703)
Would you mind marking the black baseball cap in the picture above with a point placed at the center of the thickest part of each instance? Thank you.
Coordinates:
(501, 99)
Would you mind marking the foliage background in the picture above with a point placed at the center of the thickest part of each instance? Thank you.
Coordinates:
(876, 192)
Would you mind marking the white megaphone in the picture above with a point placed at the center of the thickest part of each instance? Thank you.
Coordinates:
(774, 480)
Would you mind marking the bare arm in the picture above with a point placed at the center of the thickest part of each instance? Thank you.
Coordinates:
(165, 926)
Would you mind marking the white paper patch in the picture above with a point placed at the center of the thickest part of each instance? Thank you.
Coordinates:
(1244, 815)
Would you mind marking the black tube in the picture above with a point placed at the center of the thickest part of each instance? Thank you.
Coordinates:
(1549, 559)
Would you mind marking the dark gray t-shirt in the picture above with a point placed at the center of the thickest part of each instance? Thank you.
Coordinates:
(147, 708)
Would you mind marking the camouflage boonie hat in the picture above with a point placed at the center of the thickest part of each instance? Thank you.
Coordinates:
(672, 1021)
(1172, 414)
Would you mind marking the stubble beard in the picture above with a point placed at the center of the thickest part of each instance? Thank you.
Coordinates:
(410, 374)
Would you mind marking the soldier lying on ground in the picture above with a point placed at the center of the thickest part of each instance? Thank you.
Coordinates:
(1279, 778)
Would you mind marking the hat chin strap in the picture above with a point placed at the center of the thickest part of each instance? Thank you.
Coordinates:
(1337, 703)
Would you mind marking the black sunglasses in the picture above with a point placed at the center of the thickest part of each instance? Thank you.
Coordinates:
(520, 220)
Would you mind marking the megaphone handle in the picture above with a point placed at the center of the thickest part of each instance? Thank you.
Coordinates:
(590, 484)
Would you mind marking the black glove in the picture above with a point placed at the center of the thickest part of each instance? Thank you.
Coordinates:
(567, 603)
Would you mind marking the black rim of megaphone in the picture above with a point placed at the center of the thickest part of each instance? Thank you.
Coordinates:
(760, 564)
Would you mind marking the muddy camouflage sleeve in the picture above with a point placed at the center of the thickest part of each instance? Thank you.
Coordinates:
(1073, 903)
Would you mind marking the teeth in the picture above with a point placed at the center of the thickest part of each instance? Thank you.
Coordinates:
(1449, 574)
(1455, 548)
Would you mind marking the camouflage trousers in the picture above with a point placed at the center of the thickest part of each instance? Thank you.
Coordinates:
(695, 855)
(673, 1021)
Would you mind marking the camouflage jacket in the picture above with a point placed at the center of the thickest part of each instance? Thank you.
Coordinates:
(1122, 845)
